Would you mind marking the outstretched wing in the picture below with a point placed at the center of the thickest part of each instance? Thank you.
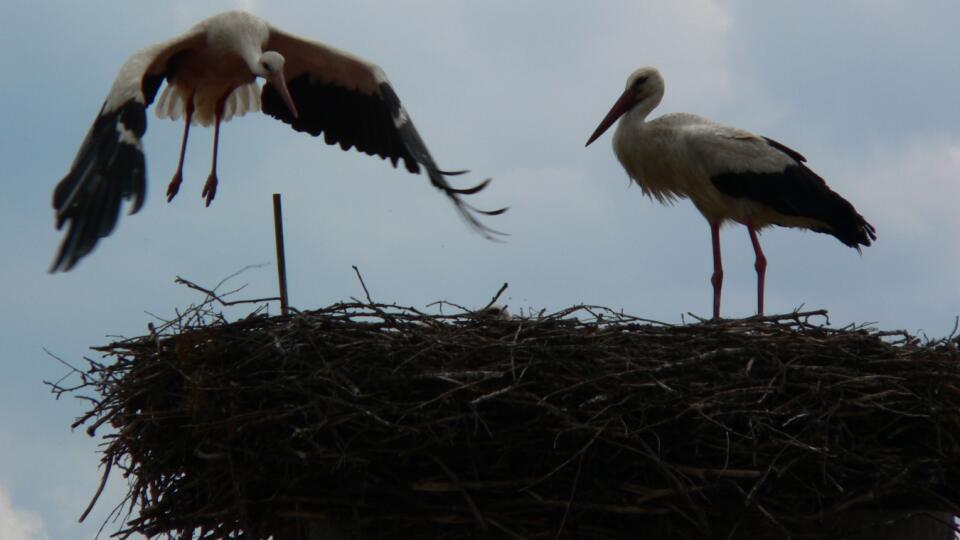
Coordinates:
(351, 103)
(110, 166)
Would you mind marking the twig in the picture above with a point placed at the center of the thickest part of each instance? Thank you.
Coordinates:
(103, 482)
(219, 299)
(364, 285)
(481, 522)
(495, 297)
(573, 492)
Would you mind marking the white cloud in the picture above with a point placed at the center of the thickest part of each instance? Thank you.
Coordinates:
(19, 524)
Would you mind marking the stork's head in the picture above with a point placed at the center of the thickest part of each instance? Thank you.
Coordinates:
(644, 92)
(270, 67)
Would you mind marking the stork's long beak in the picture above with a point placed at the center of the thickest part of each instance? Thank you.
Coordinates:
(279, 82)
(626, 102)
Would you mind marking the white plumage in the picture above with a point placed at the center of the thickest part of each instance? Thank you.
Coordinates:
(728, 173)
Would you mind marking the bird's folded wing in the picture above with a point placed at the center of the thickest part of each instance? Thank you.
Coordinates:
(772, 174)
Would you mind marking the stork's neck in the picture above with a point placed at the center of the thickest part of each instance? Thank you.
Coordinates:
(630, 129)
(631, 124)
(638, 114)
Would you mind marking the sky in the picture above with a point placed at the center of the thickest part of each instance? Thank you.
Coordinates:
(867, 90)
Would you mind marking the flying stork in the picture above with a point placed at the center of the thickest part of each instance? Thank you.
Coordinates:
(211, 73)
(728, 174)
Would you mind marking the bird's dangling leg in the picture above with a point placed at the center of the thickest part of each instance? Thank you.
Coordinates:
(760, 265)
(717, 278)
(174, 185)
(210, 188)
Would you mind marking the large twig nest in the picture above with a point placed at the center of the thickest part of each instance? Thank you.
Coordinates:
(391, 423)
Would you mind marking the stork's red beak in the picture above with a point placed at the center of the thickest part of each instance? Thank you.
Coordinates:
(280, 83)
(626, 102)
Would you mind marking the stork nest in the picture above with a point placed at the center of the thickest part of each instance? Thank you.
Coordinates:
(387, 422)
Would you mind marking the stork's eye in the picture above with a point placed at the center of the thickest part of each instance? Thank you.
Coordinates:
(639, 82)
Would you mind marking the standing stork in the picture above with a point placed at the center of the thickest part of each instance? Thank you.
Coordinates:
(211, 73)
(728, 173)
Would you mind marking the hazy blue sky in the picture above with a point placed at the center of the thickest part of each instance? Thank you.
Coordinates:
(867, 90)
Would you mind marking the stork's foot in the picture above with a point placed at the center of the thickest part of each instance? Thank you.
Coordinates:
(210, 188)
(174, 185)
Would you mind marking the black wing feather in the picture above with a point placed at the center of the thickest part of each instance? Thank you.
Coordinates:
(798, 191)
(796, 156)
(109, 167)
(376, 124)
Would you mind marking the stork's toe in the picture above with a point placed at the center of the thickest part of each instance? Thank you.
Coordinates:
(210, 188)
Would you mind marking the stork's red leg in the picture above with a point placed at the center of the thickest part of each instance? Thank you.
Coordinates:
(760, 265)
(717, 278)
(174, 185)
(210, 188)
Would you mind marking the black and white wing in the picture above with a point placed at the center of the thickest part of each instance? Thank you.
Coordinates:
(351, 103)
(110, 166)
(743, 165)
